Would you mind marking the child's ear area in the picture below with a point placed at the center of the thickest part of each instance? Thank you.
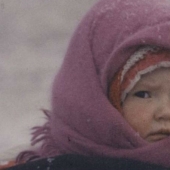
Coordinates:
(114, 93)
(121, 104)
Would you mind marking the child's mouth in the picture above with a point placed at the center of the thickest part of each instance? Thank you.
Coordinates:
(158, 135)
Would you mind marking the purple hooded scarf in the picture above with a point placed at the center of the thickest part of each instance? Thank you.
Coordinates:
(82, 119)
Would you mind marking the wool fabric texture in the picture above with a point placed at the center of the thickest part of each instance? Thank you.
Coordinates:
(143, 61)
(82, 120)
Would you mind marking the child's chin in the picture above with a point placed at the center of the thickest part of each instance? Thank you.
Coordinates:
(157, 137)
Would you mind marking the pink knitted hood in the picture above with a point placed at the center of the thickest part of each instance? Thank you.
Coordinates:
(82, 119)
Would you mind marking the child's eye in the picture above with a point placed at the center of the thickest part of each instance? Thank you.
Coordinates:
(142, 94)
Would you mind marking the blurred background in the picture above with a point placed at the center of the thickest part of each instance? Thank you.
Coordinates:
(33, 39)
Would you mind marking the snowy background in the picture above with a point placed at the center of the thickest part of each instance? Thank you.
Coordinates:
(33, 39)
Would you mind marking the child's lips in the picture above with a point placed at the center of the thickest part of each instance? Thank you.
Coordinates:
(158, 135)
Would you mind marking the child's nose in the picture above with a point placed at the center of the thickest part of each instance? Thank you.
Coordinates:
(163, 110)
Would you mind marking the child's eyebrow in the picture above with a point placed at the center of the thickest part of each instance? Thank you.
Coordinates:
(150, 84)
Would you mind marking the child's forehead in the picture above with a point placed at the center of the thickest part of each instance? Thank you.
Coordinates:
(162, 72)
(158, 76)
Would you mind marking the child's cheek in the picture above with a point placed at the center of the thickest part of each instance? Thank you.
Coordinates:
(137, 113)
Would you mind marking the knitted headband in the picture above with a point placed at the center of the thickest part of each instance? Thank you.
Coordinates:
(141, 62)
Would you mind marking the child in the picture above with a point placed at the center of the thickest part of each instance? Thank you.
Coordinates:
(111, 95)
(140, 91)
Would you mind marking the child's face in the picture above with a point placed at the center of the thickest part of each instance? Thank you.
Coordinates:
(147, 106)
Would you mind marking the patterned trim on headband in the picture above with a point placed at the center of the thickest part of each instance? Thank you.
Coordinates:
(138, 55)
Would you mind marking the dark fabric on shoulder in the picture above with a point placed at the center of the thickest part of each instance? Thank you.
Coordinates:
(78, 162)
